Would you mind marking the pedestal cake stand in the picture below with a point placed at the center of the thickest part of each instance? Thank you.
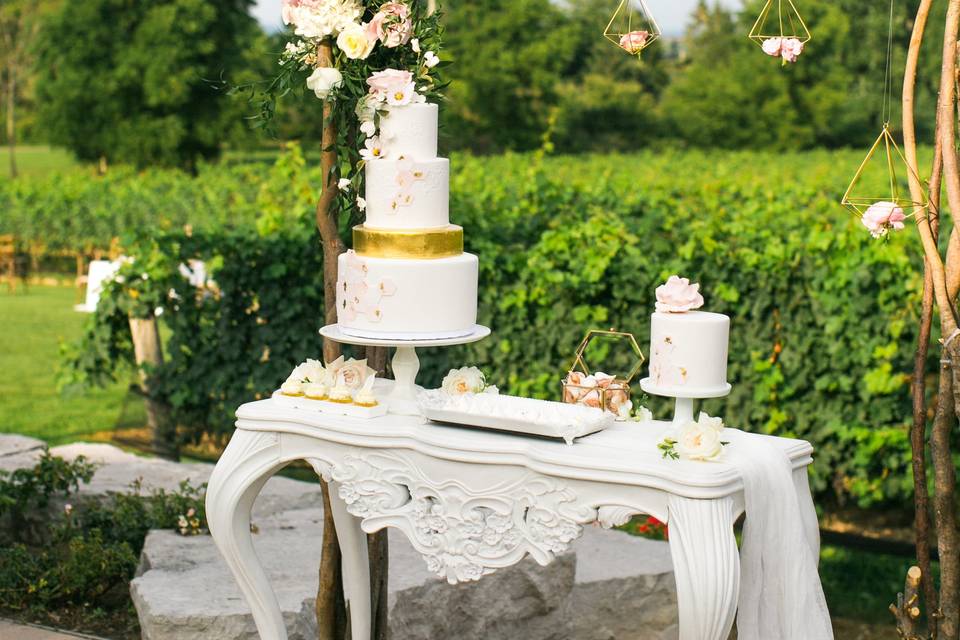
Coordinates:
(683, 410)
(403, 399)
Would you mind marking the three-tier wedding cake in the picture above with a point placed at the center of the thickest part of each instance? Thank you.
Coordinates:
(407, 276)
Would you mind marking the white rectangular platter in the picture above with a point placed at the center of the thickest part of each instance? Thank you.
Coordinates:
(333, 408)
(512, 413)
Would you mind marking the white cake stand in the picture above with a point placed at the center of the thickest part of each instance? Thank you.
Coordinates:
(683, 410)
(403, 399)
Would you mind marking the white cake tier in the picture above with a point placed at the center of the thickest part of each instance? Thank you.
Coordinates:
(688, 353)
(408, 194)
(410, 131)
(407, 299)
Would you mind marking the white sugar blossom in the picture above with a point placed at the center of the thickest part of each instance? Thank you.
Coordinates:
(372, 150)
(361, 204)
(369, 128)
(430, 59)
(415, 45)
(402, 95)
(344, 184)
(324, 80)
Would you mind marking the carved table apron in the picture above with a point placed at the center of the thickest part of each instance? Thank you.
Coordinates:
(474, 501)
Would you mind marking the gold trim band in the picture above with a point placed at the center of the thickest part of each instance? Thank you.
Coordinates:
(422, 244)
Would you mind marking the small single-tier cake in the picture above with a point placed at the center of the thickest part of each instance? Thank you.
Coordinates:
(407, 276)
(688, 348)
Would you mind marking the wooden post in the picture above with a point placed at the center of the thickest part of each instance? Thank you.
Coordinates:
(11, 115)
(149, 354)
(331, 614)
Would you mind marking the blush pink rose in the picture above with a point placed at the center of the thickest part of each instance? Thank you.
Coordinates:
(773, 47)
(634, 41)
(678, 296)
(791, 48)
(383, 83)
(882, 217)
(391, 25)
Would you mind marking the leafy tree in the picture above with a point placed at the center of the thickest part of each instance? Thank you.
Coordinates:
(509, 57)
(136, 81)
(19, 25)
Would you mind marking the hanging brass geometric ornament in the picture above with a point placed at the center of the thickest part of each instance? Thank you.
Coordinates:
(632, 27)
(882, 212)
(780, 30)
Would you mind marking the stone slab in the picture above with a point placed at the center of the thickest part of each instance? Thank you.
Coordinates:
(18, 451)
(610, 585)
(13, 631)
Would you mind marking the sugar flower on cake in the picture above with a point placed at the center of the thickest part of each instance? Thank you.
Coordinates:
(678, 296)
(323, 81)
(883, 217)
(310, 371)
(320, 18)
(465, 380)
(634, 41)
(391, 25)
(372, 150)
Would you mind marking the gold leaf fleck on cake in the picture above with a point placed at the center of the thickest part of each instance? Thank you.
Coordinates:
(683, 373)
(668, 340)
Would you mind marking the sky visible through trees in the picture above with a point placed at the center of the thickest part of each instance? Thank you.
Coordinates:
(672, 15)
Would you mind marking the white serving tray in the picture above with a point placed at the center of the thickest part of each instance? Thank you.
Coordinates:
(333, 408)
(512, 413)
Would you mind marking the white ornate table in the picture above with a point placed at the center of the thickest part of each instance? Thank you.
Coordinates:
(473, 502)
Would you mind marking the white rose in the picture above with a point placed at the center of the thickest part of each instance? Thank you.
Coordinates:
(465, 380)
(354, 43)
(644, 415)
(713, 423)
(324, 80)
(309, 371)
(353, 374)
(699, 442)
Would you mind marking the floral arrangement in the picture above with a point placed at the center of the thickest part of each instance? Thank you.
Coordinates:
(883, 217)
(700, 440)
(384, 55)
(678, 296)
(600, 391)
(466, 380)
(341, 381)
(789, 49)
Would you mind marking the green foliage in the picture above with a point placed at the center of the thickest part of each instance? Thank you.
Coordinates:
(136, 82)
(91, 550)
(823, 316)
(24, 490)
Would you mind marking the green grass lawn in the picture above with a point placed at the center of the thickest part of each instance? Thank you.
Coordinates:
(36, 160)
(32, 327)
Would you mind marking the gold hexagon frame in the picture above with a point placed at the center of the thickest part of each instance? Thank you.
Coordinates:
(617, 388)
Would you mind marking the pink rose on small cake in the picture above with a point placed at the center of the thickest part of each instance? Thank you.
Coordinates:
(678, 296)
(351, 374)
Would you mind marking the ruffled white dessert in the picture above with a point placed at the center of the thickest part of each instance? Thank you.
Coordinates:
(292, 388)
(315, 391)
(365, 397)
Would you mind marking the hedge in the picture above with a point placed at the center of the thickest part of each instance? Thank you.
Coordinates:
(823, 317)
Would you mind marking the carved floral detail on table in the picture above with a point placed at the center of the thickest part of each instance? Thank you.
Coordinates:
(357, 295)
(463, 534)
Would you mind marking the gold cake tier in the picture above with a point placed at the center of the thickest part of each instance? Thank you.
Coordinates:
(417, 244)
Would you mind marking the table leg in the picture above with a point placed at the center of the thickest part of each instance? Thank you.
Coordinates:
(355, 566)
(706, 565)
(246, 465)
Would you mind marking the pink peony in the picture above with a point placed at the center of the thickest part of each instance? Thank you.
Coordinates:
(634, 41)
(881, 217)
(391, 25)
(791, 48)
(678, 296)
(773, 46)
(384, 83)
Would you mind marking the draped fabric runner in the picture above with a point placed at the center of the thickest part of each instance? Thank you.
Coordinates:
(780, 595)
